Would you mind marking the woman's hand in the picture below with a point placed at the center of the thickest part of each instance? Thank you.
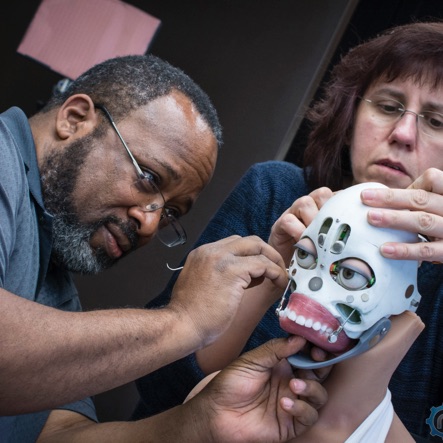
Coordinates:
(287, 230)
(424, 199)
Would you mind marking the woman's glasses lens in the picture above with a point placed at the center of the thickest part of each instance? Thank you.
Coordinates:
(388, 111)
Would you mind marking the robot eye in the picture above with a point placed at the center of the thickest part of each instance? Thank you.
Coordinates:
(353, 274)
(305, 259)
(350, 279)
(305, 254)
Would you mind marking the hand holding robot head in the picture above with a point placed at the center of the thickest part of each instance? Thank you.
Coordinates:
(341, 284)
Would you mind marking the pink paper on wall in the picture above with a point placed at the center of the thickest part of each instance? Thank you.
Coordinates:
(70, 36)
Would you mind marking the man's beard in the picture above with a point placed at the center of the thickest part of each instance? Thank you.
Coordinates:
(71, 248)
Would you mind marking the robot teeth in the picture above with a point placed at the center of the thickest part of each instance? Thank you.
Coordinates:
(309, 323)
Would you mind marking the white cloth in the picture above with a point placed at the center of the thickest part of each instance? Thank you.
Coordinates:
(376, 427)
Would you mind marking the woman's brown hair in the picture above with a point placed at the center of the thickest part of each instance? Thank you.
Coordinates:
(413, 51)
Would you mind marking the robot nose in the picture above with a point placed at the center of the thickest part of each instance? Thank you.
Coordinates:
(315, 284)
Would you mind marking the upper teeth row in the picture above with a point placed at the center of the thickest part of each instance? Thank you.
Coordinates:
(306, 322)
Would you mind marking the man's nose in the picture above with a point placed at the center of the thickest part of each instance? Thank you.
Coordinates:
(147, 222)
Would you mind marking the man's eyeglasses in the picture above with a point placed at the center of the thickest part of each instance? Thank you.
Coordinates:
(149, 197)
(389, 111)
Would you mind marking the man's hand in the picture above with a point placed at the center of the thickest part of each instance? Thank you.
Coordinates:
(317, 354)
(212, 283)
(287, 230)
(256, 399)
(424, 199)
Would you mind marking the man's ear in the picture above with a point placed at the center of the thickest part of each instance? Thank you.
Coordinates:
(76, 117)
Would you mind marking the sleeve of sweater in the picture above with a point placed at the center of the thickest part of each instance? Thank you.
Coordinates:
(265, 191)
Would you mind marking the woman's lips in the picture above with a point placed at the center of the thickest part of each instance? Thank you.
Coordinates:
(393, 167)
(305, 317)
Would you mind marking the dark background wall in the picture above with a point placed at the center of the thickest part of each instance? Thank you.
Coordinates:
(261, 62)
(370, 17)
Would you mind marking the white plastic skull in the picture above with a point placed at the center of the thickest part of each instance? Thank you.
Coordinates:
(340, 279)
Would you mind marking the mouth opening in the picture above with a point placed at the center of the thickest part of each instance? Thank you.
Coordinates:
(350, 314)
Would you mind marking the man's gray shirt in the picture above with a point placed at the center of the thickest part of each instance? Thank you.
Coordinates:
(25, 251)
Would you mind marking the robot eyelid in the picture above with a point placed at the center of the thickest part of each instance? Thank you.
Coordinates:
(314, 265)
(360, 268)
(306, 253)
(306, 245)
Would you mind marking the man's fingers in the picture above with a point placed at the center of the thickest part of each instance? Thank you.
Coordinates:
(310, 390)
(253, 245)
(309, 397)
(247, 246)
(273, 351)
(235, 258)
(319, 374)
(302, 412)
(260, 267)
(224, 269)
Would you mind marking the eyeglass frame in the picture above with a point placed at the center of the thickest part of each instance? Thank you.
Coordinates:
(166, 215)
(403, 110)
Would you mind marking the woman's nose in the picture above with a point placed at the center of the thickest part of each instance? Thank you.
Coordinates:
(405, 130)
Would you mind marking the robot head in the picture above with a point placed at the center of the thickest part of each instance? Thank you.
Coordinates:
(341, 285)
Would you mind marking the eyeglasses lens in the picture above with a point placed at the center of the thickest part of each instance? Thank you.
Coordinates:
(171, 232)
(150, 199)
(147, 195)
(388, 111)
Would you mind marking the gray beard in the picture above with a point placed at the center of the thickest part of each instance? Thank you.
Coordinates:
(71, 249)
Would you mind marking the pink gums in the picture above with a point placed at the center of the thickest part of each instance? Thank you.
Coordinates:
(310, 309)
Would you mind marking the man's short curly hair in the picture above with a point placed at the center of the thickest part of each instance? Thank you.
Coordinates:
(123, 84)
